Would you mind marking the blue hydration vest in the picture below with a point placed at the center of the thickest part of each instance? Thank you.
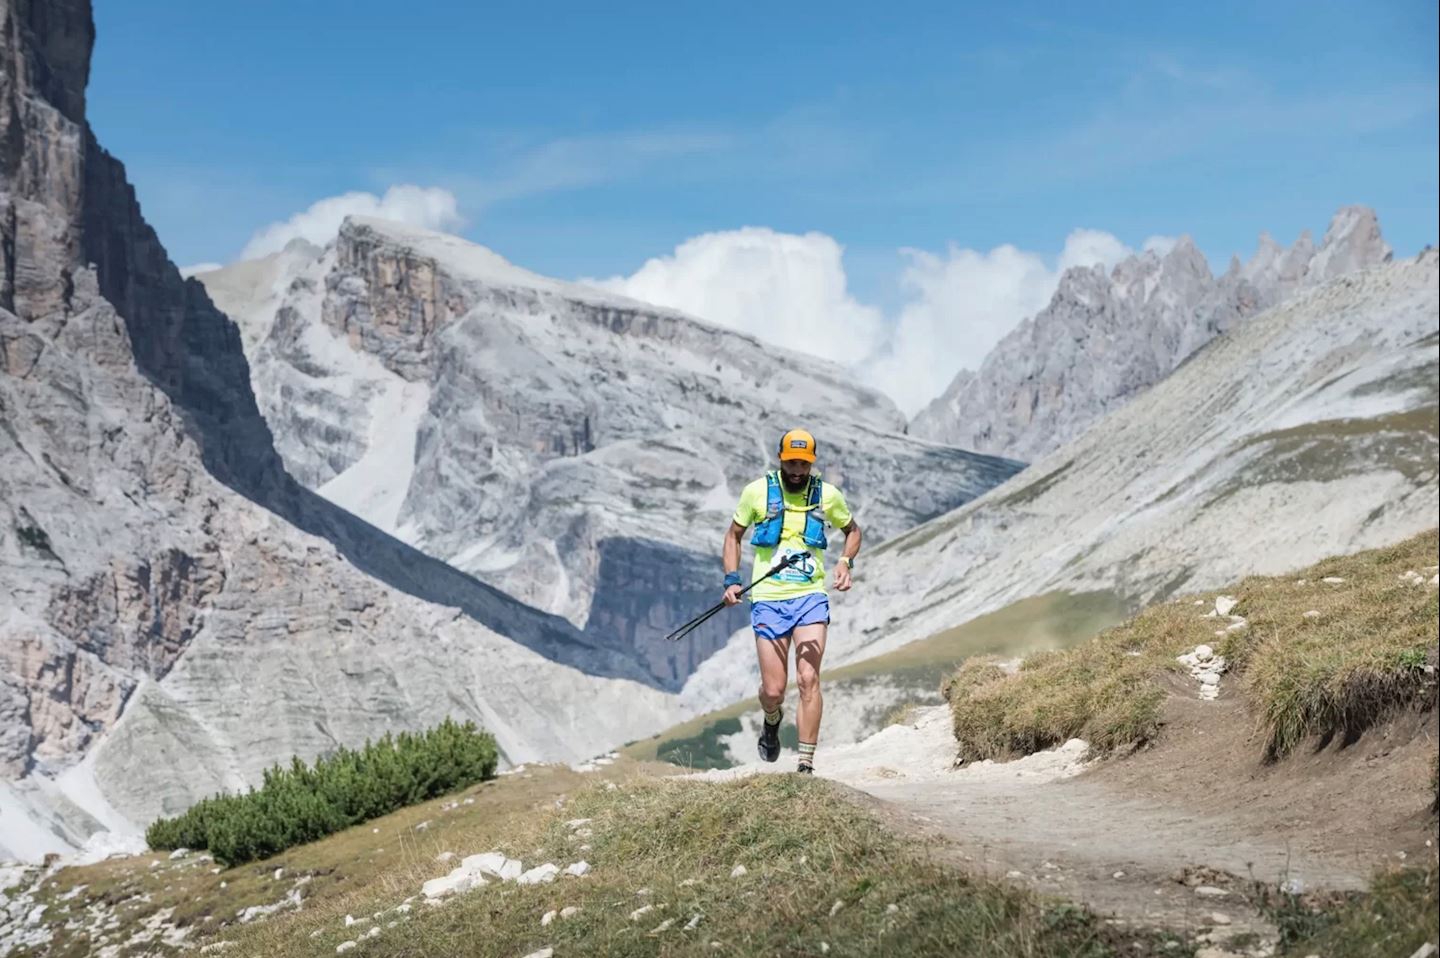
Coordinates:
(767, 530)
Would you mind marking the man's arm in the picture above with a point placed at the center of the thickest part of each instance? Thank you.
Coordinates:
(852, 549)
(730, 560)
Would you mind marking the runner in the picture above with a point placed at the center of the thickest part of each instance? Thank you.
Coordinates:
(789, 508)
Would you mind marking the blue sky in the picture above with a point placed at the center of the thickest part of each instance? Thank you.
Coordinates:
(582, 139)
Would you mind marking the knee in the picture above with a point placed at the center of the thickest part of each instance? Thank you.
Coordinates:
(772, 690)
(809, 686)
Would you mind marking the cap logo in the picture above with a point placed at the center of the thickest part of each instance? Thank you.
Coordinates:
(798, 444)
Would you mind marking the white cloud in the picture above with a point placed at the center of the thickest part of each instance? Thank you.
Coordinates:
(198, 268)
(791, 290)
(425, 207)
(780, 287)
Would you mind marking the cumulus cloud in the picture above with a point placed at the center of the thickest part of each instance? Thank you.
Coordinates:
(425, 207)
(791, 290)
(786, 289)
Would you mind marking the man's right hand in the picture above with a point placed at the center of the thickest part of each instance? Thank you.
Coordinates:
(732, 595)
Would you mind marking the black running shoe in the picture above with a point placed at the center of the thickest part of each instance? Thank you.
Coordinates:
(805, 770)
(770, 740)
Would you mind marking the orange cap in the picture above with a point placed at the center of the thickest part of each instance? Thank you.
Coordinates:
(797, 444)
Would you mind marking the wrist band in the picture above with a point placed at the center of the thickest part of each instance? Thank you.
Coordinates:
(732, 578)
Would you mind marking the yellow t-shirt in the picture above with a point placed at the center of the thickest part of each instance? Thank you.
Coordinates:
(807, 575)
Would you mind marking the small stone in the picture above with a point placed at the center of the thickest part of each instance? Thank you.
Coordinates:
(641, 912)
(343, 947)
(542, 953)
(547, 918)
(374, 831)
(663, 926)
(1209, 678)
(1014, 874)
(373, 932)
(1219, 918)
(1204, 652)
(278, 873)
(1292, 886)
(1333, 579)
(422, 826)
(1210, 891)
(1312, 614)
(693, 922)
(1118, 875)
(824, 948)
(689, 881)
(578, 869)
(642, 892)
(539, 875)
(1225, 603)
(738, 871)
(569, 911)
(892, 908)
(444, 856)
(577, 822)
(352, 920)
(835, 908)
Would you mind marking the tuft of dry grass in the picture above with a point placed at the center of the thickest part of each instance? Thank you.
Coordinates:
(1366, 648)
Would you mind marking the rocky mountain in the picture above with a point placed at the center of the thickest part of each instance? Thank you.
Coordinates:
(1106, 338)
(1309, 430)
(178, 612)
(576, 449)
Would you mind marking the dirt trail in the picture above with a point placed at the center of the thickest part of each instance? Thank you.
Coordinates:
(1117, 835)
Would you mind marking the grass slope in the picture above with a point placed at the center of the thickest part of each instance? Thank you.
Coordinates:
(1314, 657)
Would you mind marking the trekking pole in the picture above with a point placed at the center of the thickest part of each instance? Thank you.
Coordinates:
(705, 616)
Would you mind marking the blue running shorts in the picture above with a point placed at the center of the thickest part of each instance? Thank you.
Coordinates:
(776, 620)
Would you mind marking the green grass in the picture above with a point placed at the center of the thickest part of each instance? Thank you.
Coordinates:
(673, 844)
(1363, 657)
(1052, 620)
(1399, 913)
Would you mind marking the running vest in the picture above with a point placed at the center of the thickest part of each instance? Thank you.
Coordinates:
(767, 531)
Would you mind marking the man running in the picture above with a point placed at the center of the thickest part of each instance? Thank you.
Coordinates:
(789, 508)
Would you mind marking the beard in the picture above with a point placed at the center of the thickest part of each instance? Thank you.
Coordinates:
(795, 485)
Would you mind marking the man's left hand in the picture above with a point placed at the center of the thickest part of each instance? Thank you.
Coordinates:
(842, 577)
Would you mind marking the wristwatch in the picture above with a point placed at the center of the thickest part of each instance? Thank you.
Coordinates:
(849, 562)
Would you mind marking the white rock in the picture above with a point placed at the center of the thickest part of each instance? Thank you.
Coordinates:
(1333, 579)
(738, 871)
(835, 908)
(1209, 678)
(689, 881)
(1203, 653)
(892, 908)
(569, 911)
(352, 920)
(1225, 603)
(547, 918)
(1118, 875)
(344, 946)
(278, 873)
(542, 953)
(577, 822)
(1219, 918)
(663, 926)
(1014, 874)
(444, 856)
(539, 875)
(578, 869)
(641, 912)
(422, 826)
(693, 923)
(1312, 614)
(374, 932)
(1210, 891)
(179, 853)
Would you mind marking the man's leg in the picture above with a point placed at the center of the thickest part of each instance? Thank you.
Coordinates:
(774, 656)
(809, 650)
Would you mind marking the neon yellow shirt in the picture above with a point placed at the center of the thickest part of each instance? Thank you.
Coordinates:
(807, 575)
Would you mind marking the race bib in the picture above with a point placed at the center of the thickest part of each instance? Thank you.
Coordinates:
(802, 569)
